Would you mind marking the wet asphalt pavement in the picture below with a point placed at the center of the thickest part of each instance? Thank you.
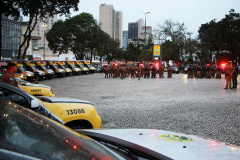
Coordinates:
(192, 106)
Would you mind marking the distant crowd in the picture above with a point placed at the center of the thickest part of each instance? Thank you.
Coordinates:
(136, 71)
(193, 71)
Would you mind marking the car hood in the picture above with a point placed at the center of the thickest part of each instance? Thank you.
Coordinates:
(34, 85)
(166, 144)
(62, 100)
(29, 72)
(41, 72)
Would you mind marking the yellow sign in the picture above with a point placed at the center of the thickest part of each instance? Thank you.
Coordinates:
(175, 138)
(156, 50)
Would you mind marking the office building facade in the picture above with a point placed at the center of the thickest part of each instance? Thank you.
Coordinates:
(125, 40)
(11, 37)
(40, 29)
(110, 21)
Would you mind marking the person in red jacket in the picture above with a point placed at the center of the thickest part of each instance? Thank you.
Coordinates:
(9, 77)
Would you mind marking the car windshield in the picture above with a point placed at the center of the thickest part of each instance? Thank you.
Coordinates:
(44, 67)
(73, 66)
(57, 67)
(174, 67)
(22, 68)
(34, 68)
(23, 131)
(81, 65)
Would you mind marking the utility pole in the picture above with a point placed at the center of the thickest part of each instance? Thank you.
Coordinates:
(145, 35)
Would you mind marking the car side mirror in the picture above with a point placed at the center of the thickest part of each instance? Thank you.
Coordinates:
(34, 104)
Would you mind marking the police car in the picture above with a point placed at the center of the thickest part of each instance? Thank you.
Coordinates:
(28, 135)
(33, 89)
(74, 113)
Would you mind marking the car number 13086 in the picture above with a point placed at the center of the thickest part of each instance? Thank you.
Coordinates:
(75, 111)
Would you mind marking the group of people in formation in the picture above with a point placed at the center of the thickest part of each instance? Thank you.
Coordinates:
(204, 71)
(148, 71)
(207, 71)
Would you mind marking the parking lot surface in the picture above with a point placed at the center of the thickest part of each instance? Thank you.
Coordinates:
(192, 106)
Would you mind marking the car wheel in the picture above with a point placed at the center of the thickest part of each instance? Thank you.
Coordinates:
(79, 124)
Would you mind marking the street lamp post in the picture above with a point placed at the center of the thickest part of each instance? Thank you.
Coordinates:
(145, 35)
(44, 26)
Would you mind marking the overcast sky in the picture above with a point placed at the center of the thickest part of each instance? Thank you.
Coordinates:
(192, 13)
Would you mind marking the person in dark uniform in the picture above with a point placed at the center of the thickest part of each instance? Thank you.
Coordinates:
(8, 77)
(132, 71)
(145, 71)
(218, 73)
(190, 71)
(36, 76)
(148, 71)
(208, 74)
(213, 71)
(194, 71)
(203, 71)
(235, 75)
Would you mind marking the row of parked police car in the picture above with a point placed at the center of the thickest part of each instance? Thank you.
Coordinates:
(49, 69)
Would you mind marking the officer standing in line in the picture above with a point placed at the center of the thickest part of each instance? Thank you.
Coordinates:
(9, 77)
(203, 71)
(235, 75)
(153, 71)
(161, 71)
(198, 71)
(229, 74)
(132, 72)
(110, 72)
(122, 70)
(194, 71)
(170, 72)
(208, 72)
(145, 71)
(148, 71)
(106, 71)
(190, 71)
(218, 73)
(213, 71)
(139, 72)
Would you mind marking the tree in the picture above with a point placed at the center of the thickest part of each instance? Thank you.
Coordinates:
(229, 39)
(103, 47)
(113, 51)
(221, 36)
(146, 56)
(135, 48)
(84, 34)
(175, 32)
(58, 38)
(209, 36)
(38, 10)
(168, 51)
(190, 47)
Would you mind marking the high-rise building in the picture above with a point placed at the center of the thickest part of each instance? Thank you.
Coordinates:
(135, 29)
(125, 40)
(40, 29)
(110, 21)
(11, 37)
